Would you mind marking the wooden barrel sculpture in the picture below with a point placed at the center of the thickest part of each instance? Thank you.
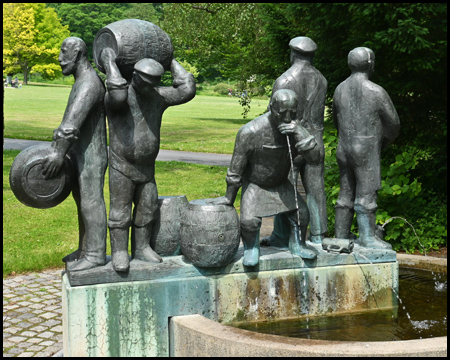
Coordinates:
(165, 238)
(209, 233)
(133, 40)
(29, 185)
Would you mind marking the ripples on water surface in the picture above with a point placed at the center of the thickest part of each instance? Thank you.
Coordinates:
(424, 297)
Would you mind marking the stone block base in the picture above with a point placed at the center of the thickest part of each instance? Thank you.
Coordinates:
(131, 318)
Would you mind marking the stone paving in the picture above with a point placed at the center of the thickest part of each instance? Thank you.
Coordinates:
(32, 315)
(32, 312)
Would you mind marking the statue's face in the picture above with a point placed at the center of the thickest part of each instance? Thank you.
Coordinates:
(284, 111)
(68, 57)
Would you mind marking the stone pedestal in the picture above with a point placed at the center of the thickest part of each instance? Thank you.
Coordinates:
(129, 314)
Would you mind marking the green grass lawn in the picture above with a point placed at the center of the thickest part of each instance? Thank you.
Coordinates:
(205, 124)
(35, 239)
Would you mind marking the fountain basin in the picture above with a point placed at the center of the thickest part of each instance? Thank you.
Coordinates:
(113, 314)
(196, 335)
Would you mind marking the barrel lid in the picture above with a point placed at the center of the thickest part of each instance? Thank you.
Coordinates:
(172, 200)
(29, 185)
(172, 197)
(105, 38)
(207, 205)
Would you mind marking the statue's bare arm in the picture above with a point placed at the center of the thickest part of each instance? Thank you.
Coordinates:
(183, 89)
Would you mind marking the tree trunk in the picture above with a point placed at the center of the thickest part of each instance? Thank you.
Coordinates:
(25, 72)
(25, 75)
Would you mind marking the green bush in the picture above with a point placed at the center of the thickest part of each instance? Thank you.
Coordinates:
(258, 90)
(222, 88)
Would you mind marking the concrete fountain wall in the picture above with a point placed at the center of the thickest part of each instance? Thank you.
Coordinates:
(129, 314)
(196, 335)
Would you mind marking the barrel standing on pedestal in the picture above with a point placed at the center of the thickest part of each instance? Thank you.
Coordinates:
(133, 40)
(209, 233)
(165, 238)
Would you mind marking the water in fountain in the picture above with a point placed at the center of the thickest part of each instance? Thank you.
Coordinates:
(379, 273)
(412, 227)
(298, 217)
(426, 304)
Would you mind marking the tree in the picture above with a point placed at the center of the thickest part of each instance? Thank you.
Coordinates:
(143, 11)
(32, 36)
(410, 45)
(218, 38)
(86, 19)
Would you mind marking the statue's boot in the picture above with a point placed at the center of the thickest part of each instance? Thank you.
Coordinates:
(367, 238)
(316, 239)
(298, 246)
(274, 240)
(84, 264)
(73, 256)
(280, 234)
(251, 247)
(141, 249)
(90, 254)
(119, 249)
(343, 222)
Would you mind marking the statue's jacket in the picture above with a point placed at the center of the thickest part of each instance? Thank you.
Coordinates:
(134, 126)
(261, 164)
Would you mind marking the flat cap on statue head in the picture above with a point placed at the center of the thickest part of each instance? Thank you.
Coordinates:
(149, 67)
(303, 45)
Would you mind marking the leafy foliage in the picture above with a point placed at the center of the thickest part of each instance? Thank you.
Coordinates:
(32, 35)
(222, 88)
(410, 45)
(412, 218)
(86, 19)
(216, 37)
(143, 11)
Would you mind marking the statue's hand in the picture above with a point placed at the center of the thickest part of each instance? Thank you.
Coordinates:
(294, 128)
(289, 128)
(52, 163)
(220, 201)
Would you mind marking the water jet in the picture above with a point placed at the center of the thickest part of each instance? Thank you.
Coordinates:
(198, 336)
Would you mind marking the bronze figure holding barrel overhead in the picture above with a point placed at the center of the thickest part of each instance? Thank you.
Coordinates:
(134, 107)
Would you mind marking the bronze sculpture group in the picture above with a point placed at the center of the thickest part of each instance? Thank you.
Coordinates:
(270, 152)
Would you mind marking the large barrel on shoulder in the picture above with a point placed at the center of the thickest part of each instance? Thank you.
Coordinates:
(209, 233)
(165, 239)
(133, 40)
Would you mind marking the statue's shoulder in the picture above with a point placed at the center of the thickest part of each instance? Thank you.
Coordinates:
(341, 87)
(374, 91)
(253, 127)
(286, 79)
(90, 82)
(371, 86)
